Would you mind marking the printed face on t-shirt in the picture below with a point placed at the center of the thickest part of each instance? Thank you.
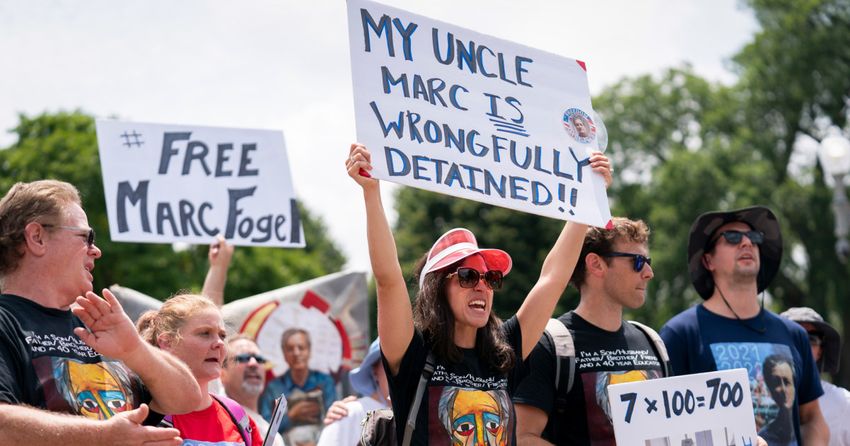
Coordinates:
(97, 390)
(770, 368)
(473, 417)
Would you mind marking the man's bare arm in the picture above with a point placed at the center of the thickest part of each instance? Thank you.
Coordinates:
(36, 427)
(814, 428)
(530, 422)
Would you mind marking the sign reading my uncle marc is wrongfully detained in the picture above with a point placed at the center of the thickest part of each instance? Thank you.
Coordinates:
(461, 113)
(169, 183)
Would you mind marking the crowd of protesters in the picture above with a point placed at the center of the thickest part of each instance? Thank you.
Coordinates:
(75, 370)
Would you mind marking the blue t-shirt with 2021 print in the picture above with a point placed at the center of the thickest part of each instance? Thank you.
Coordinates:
(774, 350)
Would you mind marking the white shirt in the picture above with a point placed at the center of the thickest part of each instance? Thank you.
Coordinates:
(346, 431)
(835, 406)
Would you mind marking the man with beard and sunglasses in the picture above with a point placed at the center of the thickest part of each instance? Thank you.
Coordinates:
(64, 349)
(732, 257)
(564, 407)
(244, 377)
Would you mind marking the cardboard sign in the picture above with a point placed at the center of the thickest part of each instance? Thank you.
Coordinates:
(461, 113)
(703, 409)
(175, 183)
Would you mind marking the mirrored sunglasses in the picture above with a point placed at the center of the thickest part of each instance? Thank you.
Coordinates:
(246, 357)
(469, 277)
(89, 231)
(735, 237)
(639, 259)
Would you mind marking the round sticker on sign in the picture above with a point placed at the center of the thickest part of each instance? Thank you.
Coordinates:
(579, 125)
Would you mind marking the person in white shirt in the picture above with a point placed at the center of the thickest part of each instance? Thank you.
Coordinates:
(826, 348)
(346, 415)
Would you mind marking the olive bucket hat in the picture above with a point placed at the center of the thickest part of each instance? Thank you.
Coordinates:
(831, 339)
(702, 233)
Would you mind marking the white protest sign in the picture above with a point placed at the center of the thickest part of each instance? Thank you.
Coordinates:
(712, 408)
(461, 113)
(176, 183)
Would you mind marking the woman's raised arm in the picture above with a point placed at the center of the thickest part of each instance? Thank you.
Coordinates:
(395, 314)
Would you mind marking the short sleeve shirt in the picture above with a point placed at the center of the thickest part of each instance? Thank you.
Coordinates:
(464, 400)
(774, 350)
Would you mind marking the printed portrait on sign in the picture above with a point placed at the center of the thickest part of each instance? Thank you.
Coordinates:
(579, 125)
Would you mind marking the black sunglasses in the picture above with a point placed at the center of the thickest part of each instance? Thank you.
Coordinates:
(735, 237)
(89, 236)
(246, 357)
(639, 259)
(469, 277)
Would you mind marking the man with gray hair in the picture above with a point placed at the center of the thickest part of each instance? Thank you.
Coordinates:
(88, 360)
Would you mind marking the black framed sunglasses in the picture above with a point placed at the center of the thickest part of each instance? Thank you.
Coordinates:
(246, 357)
(89, 236)
(735, 237)
(469, 277)
(639, 259)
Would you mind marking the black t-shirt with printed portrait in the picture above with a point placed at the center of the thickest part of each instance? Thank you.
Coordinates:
(602, 358)
(464, 401)
(45, 365)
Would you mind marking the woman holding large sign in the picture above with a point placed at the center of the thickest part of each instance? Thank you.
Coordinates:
(476, 360)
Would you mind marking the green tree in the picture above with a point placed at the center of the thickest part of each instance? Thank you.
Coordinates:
(684, 146)
(63, 146)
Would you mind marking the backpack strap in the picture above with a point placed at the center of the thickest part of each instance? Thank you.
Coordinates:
(660, 348)
(565, 354)
(410, 424)
(238, 415)
(565, 367)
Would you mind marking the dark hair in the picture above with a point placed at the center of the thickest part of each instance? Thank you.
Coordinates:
(771, 362)
(433, 316)
(601, 241)
(41, 201)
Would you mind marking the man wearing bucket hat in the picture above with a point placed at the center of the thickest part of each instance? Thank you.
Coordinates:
(826, 349)
(733, 256)
(370, 381)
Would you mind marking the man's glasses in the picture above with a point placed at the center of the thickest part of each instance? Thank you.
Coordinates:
(639, 259)
(469, 277)
(815, 339)
(89, 236)
(246, 357)
(735, 237)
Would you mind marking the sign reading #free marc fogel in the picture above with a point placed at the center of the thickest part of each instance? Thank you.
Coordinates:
(461, 113)
(168, 183)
